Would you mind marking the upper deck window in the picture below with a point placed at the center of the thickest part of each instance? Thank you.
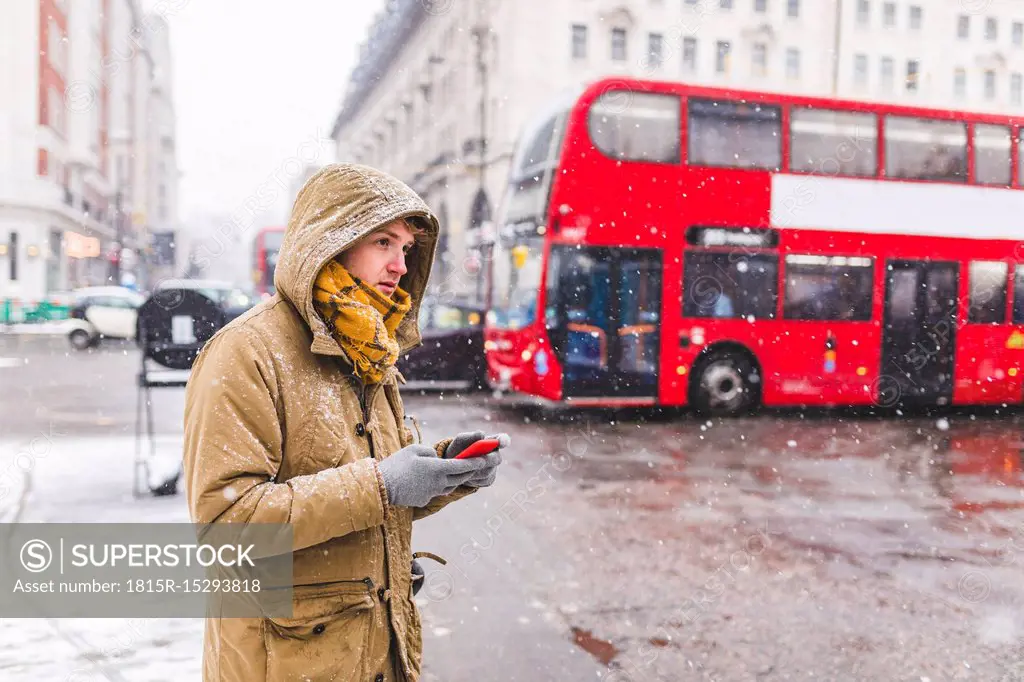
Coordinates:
(636, 126)
(833, 142)
(925, 149)
(992, 163)
(734, 134)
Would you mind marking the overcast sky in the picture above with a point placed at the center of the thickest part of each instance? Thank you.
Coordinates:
(255, 83)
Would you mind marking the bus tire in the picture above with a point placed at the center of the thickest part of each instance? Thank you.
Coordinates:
(725, 383)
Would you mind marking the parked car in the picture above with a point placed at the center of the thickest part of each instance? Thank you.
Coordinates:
(232, 299)
(452, 354)
(99, 313)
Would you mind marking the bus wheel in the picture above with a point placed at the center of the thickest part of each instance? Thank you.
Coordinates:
(726, 384)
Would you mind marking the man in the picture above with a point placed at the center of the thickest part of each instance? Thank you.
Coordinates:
(293, 416)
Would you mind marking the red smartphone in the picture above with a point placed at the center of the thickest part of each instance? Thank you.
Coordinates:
(479, 448)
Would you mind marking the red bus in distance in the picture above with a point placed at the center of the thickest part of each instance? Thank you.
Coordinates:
(265, 247)
(667, 244)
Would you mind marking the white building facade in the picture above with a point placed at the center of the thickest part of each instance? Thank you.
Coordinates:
(428, 68)
(70, 138)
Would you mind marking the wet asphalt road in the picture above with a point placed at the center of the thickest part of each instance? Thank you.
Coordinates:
(785, 546)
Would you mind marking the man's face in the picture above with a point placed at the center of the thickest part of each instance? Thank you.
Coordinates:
(379, 258)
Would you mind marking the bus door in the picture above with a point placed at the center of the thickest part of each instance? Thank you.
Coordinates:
(603, 314)
(918, 341)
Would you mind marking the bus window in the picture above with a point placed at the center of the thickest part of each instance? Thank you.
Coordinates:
(1020, 161)
(925, 149)
(833, 142)
(734, 134)
(636, 126)
(988, 292)
(1018, 295)
(537, 150)
(828, 288)
(991, 154)
(729, 284)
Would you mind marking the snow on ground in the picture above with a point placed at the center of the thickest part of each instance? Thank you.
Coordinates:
(87, 480)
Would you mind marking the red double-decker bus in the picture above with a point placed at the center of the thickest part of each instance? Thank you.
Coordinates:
(665, 244)
(265, 247)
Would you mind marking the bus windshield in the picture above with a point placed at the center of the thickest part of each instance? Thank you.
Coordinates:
(533, 167)
(516, 281)
(516, 267)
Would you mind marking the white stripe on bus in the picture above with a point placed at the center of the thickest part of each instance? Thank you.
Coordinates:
(892, 207)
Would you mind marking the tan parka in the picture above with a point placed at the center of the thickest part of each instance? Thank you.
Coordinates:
(279, 430)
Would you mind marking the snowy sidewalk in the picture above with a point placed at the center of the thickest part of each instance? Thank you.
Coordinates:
(499, 596)
(86, 480)
(37, 328)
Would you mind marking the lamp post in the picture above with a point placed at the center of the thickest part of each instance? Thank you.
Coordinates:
(481, 32)
(115, 263)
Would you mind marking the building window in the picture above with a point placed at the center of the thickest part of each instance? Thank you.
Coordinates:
(619, 44)
(56, 48)
(761, 6)
(792, 63)
(690, 54)
(960, 84)
(1018, 34)
(963, 27)
(722, 54)
(725, 4)
(863, 12)
(793, 8)
(915, 18)
(889, 14)
(759, 59)
(55, 104)
(913, 70)
(990, 84)
(860, 70)
(886, 75)
(1016, 83)
(991, 29)
(579, 41)
(654, 50)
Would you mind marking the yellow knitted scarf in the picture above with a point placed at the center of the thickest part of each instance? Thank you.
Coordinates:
(361, 319)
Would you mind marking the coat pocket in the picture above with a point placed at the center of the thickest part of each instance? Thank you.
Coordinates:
(325, 638)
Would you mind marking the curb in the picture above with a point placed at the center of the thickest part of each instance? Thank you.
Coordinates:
(40, 329)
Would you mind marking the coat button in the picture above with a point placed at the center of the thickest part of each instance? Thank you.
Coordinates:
(319, 629)
(360, 430)
(381, 593)
(379, 678)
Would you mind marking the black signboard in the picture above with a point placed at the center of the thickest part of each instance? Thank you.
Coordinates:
(748, 237)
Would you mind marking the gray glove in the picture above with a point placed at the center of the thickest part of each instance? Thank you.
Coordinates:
(415, 475)
(485, 476)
